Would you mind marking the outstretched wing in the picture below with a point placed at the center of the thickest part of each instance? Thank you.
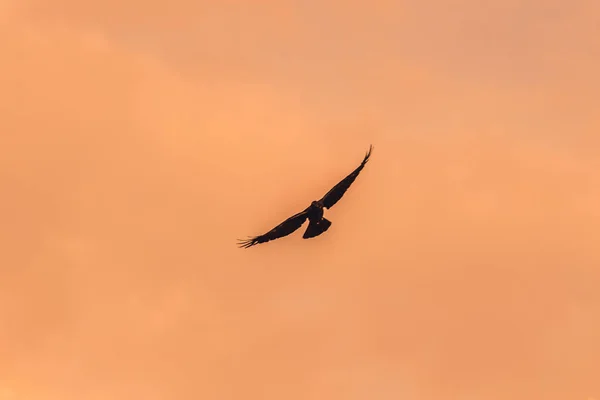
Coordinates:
(336, 193)
(285, 228)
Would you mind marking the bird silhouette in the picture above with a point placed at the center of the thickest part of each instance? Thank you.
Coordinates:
(314, 213)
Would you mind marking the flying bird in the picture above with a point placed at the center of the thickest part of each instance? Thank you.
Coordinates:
(314, 213)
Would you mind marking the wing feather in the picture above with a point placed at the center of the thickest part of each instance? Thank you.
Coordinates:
(336, 193)
(285, 228)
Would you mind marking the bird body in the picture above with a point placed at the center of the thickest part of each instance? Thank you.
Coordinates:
(314, 213)
(317, 223)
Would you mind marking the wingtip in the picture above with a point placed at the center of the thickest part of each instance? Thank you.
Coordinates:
(369, 152)
(246, 243)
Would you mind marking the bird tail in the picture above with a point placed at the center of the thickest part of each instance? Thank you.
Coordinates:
(315, 228)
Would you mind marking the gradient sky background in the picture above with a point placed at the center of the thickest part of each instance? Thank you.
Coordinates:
(140, 139)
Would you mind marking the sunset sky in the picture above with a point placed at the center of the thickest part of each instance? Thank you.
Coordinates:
(139, 139)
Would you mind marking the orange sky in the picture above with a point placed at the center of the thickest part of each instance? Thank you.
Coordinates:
(140, 139)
